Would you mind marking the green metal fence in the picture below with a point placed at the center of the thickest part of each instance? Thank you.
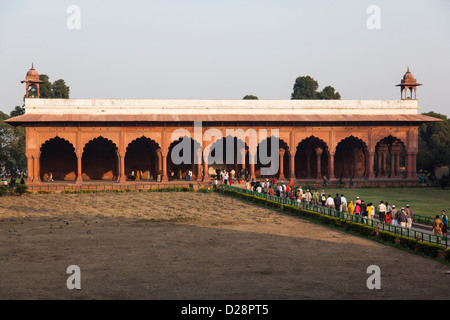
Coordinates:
(406, 232)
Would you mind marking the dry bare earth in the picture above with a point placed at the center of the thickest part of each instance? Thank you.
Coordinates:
(192, 246)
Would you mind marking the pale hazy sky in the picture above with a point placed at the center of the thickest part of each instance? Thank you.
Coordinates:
(210, 49)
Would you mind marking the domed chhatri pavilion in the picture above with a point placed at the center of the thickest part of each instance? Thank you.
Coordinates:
(32, 82)
(85, 141)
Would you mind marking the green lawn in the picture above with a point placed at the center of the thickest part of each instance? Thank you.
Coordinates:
(423, 201)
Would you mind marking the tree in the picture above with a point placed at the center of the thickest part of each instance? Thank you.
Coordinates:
(250, 97)
(60, 89)
(434, 143)
(306, 88)
(12, 146)
(328, 93)
(45, 88)
(18, 110)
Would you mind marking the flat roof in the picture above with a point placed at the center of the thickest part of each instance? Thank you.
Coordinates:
(160, 110)
(220, 107)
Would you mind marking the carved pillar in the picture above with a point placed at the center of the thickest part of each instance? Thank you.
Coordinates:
(164, 177)
(199, 165)
(355, 163)
(36, 169)
(308, 163)
(331, 166)
(378, 163)
(292, 165)
(392, 174)
(382, 151)
(370, 165)
(243, 156)
(79, 179)
(395, 161)
(159, 155)
(292, 150)
(319, 170)
(122, 176)
(411, 165)
(397, 165)
(252, 157)
(206, 153)
(282, 152)
(30, 172)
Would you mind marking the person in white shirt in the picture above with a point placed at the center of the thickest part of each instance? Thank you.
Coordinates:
(279, 188)
(330, 202)
(344, 207)
(381, 211)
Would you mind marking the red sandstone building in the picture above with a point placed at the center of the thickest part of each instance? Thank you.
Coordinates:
(82, 141)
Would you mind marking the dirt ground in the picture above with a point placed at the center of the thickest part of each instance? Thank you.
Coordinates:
(179, 245)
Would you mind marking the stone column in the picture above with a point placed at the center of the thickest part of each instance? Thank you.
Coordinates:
(319, 165)
(378, 163)
(30, 172)
(395, 161)
(397, 165)
(199, 165)
(308, 163)
(79, 179)
(392, 174)
(252, 157)
(292, 150)
(411, 165)
(159, 155)
(122, 176)
(331, 166)
(164, 177)
(292, 165)
(236, 167)
(382, 151)
(243, 155)
(206, 154)
(355, 163)
(36, 169)
(282, 152)
(206, 177)
(370, 164)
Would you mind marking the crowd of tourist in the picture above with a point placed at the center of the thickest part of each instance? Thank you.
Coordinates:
(387, 213)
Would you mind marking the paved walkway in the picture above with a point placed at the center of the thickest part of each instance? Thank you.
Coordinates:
(424, 230)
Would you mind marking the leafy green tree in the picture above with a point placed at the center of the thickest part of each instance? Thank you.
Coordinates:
(305, 88)
(45, 88)
(250, 97)
(328, 93)
(434, 143)
(12, 146)
(60, 89)
(18, 110)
